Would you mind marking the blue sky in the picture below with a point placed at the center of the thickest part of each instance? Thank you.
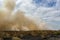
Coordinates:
(45, 3)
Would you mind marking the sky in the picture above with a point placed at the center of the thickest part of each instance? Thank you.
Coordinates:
(46, 10)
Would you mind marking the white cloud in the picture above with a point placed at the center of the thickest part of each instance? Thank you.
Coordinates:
(41, 13)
